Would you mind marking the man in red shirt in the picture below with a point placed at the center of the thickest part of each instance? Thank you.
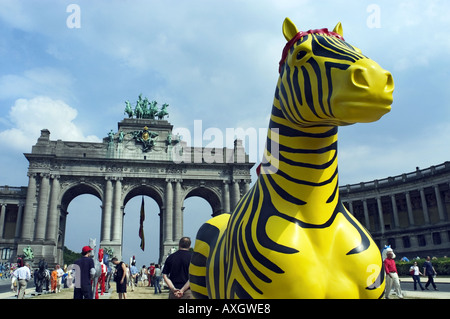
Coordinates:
(151, 274)
(391, 275)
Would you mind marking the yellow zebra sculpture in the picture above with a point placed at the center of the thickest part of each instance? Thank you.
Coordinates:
(290, 236)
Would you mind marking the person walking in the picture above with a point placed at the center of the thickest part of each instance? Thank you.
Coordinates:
(428, 270)
(84, 273)
(53, 280)
(392, 279)
(151, 274)
(59, 280)
(415, 273)
(157, 279)
(176, 271)
(143, 275)
(120, 277)
(23, 275)
(133, 274)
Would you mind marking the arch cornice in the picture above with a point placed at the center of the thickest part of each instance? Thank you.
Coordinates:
(78, 187)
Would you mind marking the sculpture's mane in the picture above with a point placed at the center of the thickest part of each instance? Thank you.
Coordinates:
(300, 35)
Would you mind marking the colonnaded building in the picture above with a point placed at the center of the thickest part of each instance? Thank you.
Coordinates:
(410, 212)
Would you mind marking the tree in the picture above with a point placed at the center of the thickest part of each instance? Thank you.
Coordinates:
(70, 256)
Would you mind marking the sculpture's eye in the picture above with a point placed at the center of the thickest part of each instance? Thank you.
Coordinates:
(301, 54)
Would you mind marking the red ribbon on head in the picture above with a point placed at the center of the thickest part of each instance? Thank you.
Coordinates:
(300, 35)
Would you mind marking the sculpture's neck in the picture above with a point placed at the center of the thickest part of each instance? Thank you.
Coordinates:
(303, 163)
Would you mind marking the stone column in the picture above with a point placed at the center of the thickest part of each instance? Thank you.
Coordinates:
(366, 214)
(439, 203)
(2, 219)
(395, 211)
(168, 213)
(423, 199)
(53, 217)
(350, 207)
(177, 213)
(380, 214)
(42, 212)
(117, 212)
(445, 236)
(409, 207)
(246, 186)
(236, 194)
(28, 218)
(19, 221)
(413, 241)
(226, 197)
(107, 212)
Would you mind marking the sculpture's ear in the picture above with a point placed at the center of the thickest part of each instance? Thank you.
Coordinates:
(289, 29)
(338, 29)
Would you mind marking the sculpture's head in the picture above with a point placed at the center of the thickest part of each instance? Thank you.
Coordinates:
(327, 81)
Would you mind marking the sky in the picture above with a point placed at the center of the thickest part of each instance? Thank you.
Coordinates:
(69, 66)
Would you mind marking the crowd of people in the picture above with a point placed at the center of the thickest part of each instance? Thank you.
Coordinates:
(145, 277)
(21, 274)
(175, 275)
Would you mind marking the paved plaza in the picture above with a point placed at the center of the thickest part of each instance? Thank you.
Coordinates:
(148, 292)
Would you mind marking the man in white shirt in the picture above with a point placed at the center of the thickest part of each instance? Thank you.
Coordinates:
(60, 273)
(23, 274)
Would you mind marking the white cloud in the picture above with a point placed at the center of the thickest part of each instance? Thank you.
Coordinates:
(29, 116)
(418, 30)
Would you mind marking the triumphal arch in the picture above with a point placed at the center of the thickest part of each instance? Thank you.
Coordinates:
(143, 157)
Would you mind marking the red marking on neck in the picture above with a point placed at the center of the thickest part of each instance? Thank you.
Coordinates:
(300, 35)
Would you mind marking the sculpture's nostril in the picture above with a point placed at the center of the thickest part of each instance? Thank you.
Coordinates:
(390, 83)
(359, 78)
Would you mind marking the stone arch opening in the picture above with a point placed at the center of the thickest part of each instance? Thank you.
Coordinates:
(82, 222)
(153, 205)
(199, 205)
(210, 195)
(80, 216)
(196, 211)
(76, 190)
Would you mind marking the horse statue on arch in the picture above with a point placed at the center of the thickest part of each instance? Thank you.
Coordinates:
(138, 111)
(128, 109)
(163, 111)
(153, 109)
